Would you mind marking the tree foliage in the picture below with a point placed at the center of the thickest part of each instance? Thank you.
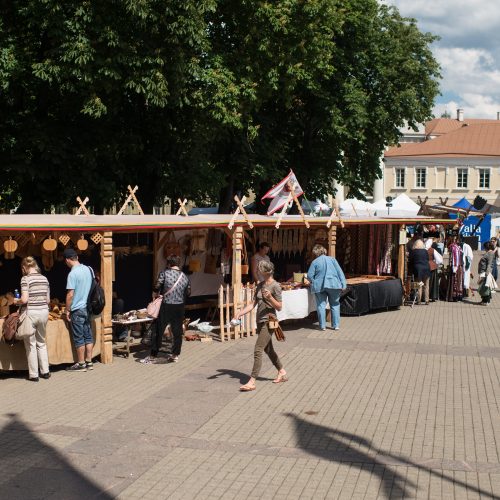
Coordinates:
(202, 98)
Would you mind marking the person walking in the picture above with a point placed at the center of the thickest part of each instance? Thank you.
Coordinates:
(486, 282)
(435, 260)
(268, 301)
(175, 288)
(35, 296)
(495, 244)
(327, 280)
(77, 313)
(418, 265)
(261, 255)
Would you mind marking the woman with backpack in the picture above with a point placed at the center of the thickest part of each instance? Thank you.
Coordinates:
(175, 288)
(35, 296)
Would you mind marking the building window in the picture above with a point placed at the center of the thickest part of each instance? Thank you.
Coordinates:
(462, 177)
(484, 178)
(420, 177)
(400, 177)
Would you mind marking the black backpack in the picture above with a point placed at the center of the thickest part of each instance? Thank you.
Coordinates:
(96, 300)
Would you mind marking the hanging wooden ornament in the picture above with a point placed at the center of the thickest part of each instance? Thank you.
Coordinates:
(50, 244)
(97, 238)
(64, 239)
(10, 245)
(82, 244)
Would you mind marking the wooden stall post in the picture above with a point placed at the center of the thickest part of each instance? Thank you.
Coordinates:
(107, 284)
(402, 253)
(332, 240)
(236, 274)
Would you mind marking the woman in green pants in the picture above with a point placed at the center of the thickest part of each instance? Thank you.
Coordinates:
(268, 301)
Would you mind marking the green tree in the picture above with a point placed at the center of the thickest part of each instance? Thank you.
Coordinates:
(92, 97)
(320, 86)
(202, 98)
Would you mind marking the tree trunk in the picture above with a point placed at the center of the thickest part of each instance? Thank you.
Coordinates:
(226, 196)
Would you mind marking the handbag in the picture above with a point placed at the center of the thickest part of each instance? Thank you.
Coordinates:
(274, 326)
(153, 308)
(25, 327)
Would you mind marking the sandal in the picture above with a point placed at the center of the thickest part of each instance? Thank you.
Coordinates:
(247, 388)
(281, 378)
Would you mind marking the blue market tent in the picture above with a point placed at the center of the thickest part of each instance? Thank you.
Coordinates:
(462, 203)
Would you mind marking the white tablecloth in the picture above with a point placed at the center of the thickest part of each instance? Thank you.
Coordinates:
(296, 304)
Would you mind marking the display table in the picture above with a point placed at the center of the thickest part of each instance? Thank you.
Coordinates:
(363, 295)
(296, 304)
(128, 324)
(59, 346)
(371, 295)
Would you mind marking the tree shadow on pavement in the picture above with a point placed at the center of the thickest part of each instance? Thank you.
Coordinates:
(242, 377)
(32, 469)
(343, 447)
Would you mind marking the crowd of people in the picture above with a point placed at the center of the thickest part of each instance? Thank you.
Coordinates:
(435, 282)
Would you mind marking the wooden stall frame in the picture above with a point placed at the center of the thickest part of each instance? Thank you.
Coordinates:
(107, 284)
(182, 207)
(131, 197)
(82, 207)
(240, 209)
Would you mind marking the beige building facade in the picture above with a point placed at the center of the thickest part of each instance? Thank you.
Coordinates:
(454, 159)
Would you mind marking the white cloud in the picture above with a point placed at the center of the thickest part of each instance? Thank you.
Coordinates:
(467, 51)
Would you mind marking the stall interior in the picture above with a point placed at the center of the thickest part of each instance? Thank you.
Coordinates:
(47, 248)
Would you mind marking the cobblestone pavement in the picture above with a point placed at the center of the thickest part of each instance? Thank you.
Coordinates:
(399, 404)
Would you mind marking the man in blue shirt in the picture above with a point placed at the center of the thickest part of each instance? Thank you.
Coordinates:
(77, 292)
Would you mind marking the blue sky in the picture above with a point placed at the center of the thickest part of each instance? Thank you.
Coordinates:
(468, 51)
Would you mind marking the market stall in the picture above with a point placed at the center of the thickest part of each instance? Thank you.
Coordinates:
(207, 264)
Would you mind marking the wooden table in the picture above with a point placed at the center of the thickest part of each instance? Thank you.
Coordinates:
(128, 323)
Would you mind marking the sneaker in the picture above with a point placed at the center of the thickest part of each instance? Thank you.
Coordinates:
(77, 367)
(336, 327)
(173, 359)
(148, 360)
(90, 365)
(33, 379)
(45, 375)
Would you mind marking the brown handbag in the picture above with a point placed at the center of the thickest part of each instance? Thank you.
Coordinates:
(275, 327)
(433, 266)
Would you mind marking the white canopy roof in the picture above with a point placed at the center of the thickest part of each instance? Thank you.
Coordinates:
(402, 206)
(353, 206)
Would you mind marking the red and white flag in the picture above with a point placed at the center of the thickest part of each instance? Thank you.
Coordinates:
(279, 193)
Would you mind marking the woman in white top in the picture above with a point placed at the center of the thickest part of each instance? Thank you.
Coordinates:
(35, 295)
(261, 255)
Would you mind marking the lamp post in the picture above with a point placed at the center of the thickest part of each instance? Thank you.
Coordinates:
(389, 203)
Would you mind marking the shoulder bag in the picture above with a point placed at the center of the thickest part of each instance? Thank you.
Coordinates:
(25, 326)
(153, 308)
(275, 327)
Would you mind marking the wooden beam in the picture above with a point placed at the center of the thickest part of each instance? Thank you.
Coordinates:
(182, 207)
(131, 197)
(402, 252)
(107, 285)
(332, 240)
(236, 273)
(82, 207)
(335, 211)
(239, 209)
(299, 206)
(283, 211)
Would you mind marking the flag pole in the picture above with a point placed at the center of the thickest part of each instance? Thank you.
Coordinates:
(294, 196)
(310, 208)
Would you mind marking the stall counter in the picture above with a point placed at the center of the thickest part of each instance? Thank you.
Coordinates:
(59, 346)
